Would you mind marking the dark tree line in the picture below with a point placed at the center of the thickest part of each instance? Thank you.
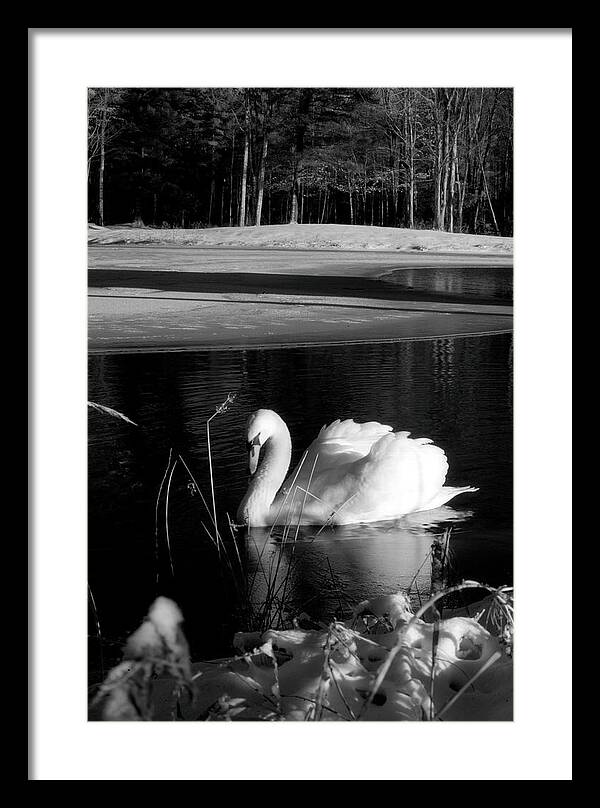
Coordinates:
(402, 157)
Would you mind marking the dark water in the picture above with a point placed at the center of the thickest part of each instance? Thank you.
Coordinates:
(455, 391)
(447, 284)
(495, 285)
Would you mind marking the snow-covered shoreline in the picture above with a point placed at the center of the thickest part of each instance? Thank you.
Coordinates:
(384, 664)
(307, 236)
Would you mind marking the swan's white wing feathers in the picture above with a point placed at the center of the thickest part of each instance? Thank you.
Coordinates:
(346, 437)
(445, 495)
(337, 445)
(398, 476)
(367, 473)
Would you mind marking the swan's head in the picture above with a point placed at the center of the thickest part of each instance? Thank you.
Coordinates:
(262, 425)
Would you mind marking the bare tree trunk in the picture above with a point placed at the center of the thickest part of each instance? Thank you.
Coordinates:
(222, 201)
(242, 221)
(393, 204)
(324, 209)
(102, 160)
(269, 200)
(298, 149)
(210, 201)
(137, 218)
(365, 192)
(445, 174)
(231, 180)
(294, 211)
(335, 195)
(438, 221)
(462, 188)
(482, 159)
(453, 181)
(409, 141)
(411, 173)
(350, 200)
(261, 177)
(441, 113)
(487, 193)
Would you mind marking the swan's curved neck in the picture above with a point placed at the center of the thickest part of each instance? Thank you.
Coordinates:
(275, 456)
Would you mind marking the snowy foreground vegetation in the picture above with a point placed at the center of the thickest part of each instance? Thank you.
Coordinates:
(386, 663)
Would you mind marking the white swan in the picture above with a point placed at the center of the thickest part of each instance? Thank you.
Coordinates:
(350, 473)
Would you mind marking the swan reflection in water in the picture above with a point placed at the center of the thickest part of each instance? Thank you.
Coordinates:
(322, 571)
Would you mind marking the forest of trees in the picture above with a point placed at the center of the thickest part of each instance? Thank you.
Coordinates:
(436, 158)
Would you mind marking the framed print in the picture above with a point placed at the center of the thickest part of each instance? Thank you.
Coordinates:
(292, 451)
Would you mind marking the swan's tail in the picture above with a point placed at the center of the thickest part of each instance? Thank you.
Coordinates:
(445, 495)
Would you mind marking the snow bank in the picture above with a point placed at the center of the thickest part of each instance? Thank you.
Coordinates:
(329, 674)
(308, 236)
(458, 668)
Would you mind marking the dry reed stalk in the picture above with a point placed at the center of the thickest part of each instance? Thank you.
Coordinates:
(110, 411)
(167, 518)
(98, 629)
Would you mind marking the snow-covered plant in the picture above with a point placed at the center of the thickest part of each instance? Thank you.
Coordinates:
(156, 648)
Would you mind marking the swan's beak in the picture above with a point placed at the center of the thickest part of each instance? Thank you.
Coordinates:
(253, 454)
